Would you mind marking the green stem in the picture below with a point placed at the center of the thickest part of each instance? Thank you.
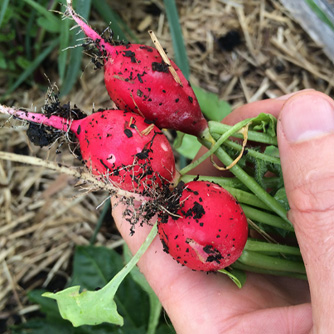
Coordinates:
(251, 184)
(231, 185)
(232, 182)
(220, 128)
(267, 262)
(250, 152)
(261, 246)
(213, 147)
(245, 197)
(266, 218)
(242, 266)
(134, 260)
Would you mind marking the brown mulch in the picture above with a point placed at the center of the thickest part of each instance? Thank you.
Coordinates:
(242, 50)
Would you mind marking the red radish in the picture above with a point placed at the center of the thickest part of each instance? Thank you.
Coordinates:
(117, 145)
(208, 231)
(138, 80)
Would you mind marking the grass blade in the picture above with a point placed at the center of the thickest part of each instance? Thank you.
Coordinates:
(320, 13)
(181, 58)
(49, 18)
(117, 25)
(33, 66)
(3, 10)
(75, 54)
(63, 52)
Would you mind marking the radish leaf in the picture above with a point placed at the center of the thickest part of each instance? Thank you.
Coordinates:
(237, 276)
(96, 307)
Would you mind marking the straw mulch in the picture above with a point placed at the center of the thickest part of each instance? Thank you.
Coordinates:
(43, 215)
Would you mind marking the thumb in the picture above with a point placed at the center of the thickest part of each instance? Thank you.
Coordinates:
(306, 143)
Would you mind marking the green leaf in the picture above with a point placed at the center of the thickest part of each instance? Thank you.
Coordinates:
(213, 108)
(47, 306)
(53, 323)
(84, 308)
(23, 62)
(52, 26)
(95, 307)
(272, 151)
(265, 123)
(281, 197)
(187, 145)
(237, 276)
(94, 267)
(180, 53)
(42, 326)
(49, 21)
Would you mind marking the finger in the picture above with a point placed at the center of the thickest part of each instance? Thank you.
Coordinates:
(306, 143)
(270, 106)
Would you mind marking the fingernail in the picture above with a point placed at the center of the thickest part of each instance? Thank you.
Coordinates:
(306, 117)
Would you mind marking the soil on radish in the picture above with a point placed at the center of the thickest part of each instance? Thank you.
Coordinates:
(41, 135)
(142, 213)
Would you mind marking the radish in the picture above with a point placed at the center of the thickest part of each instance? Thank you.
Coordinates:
(139, 80)
(116, 145)
(207, 230)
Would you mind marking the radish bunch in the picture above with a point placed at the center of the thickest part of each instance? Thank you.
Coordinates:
(118, 146)
(139, 80)
(207, 230)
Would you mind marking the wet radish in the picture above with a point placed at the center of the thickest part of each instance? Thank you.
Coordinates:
(208, 231)
(116, 145)
(138, 80)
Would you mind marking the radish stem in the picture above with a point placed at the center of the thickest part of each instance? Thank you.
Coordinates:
(251, 184)
(220, 128)
(266, 218)
(251, 152)
(260, 246)
(250, 268)
(88, 30)
(271, 263)
(54, 121)
(213, 147)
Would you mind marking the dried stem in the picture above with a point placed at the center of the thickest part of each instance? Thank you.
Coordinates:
(244, 132)
(164, 57)
(83, 176)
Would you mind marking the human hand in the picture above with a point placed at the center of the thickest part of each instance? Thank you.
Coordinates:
(197, 302)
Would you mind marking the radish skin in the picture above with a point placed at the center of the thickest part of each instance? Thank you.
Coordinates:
(208, 231)
(138, 80)
(118, 146)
